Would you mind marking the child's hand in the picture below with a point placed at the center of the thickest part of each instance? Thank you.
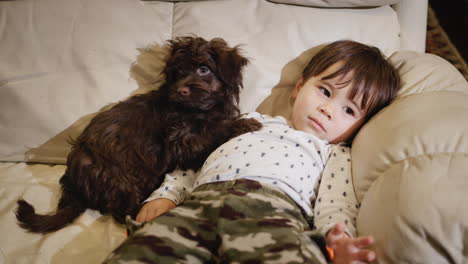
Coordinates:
(153, 209)
(349, 250)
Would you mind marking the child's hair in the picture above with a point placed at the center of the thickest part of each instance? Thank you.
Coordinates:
(372, 75)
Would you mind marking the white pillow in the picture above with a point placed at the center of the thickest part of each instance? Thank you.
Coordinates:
(69, 65)
(314, 3)
(61, 60)
(337, 3)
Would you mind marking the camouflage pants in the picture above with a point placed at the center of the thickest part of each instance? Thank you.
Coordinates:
(237, 221)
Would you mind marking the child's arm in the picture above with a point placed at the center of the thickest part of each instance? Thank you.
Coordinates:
(176, 186)
(336, 201)
(154, 208)
(336, 209)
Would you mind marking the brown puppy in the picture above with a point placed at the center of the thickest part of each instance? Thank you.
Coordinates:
(124, 152)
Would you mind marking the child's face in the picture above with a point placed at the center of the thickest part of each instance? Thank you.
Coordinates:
(322, 107)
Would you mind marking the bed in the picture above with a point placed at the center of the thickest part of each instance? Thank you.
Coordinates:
(62, 61)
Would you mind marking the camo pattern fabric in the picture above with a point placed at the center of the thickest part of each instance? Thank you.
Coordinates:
(237, 221)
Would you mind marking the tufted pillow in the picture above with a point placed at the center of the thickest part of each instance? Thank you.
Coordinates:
(337, 3)
(410, 165)
(316, 3)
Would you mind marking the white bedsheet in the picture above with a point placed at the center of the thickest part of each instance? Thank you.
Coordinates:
(88, 240)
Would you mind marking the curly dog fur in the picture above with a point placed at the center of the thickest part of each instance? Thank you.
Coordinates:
(124, 152)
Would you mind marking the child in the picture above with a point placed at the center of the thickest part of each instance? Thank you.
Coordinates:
(253, 200)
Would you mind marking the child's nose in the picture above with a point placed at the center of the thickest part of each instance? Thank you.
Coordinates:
(327, 110)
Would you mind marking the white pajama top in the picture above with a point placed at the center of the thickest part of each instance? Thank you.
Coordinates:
(282, 157)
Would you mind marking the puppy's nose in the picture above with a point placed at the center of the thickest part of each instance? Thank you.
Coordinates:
(184, 90)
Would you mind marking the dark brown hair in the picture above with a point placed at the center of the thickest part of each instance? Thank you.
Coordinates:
(372, 75)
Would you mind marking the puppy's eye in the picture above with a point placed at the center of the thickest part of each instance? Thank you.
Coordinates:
(203, 70)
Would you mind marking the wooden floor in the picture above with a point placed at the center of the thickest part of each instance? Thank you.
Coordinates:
(453, 17)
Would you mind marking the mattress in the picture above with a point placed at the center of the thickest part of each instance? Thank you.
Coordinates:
(88, 240)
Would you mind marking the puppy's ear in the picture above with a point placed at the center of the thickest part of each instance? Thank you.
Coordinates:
(229, 63)
(176, 49)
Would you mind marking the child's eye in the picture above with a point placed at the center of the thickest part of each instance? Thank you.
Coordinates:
(325, 91)
(348, 111)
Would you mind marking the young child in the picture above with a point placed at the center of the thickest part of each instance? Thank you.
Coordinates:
(255, 198)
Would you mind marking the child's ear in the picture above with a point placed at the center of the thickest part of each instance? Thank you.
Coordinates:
(298, 86)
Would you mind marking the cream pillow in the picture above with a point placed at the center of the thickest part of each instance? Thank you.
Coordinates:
(54, 85)
(410, 165)
(314, 3)
(279, 101)
(67, 65)
(146, 71)
(428, 117)
(337, 3)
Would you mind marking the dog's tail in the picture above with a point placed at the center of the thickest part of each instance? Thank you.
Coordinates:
(68, 211)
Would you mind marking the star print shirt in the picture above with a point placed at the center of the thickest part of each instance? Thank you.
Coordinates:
(276, 155)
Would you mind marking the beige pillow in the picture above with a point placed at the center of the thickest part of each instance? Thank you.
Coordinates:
(427, 117)
(315, 3)
(67, 65)
(48, 86)
(337, 3)
(410, 165)
(279, 101)
(147, 73)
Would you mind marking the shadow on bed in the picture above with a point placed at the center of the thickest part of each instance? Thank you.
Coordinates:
(145, 71)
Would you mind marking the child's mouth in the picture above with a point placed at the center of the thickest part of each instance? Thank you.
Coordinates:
(317, 123)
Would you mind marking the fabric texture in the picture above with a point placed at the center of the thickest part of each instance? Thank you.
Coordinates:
(327, 187)
(277, 155)
(336, 200)
(339, 3)
(410, 166)
(237, 221)
(88, 240)
(316, 3)
(288, 160)
(73, 64)
(61, 60)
